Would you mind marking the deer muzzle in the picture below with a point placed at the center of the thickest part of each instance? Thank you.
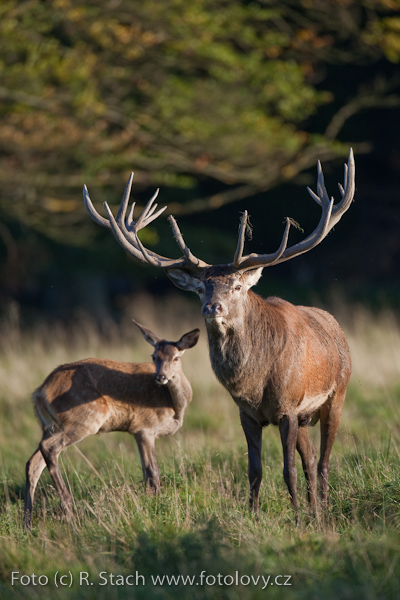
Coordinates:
(161, 379)
(212, 310)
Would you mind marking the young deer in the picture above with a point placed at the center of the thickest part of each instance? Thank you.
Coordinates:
(98, 396)
(282, 364)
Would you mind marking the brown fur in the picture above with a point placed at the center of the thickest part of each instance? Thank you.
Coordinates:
(98, 396)
(282, 364)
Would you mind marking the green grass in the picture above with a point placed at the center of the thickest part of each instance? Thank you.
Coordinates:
(199, 526)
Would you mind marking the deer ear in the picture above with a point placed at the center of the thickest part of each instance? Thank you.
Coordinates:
(251, 277)
(183, 279)
(188, 340)
(148, 335)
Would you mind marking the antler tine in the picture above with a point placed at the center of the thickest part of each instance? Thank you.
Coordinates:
(132, 244)
(183, 246)
(97, 218)
(321, 189)
(331, 214)
(348, 189)
(125, 230)
(257, 260)
(277, 255)
(346, 175)
(148, 210)
(129, 228)
(240, 245)
(120, 218)
(150, 217)
(119, 234)
(144, 218)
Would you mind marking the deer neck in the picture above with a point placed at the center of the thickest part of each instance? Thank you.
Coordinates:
(245, 346)
(234, 329)
(178, 390)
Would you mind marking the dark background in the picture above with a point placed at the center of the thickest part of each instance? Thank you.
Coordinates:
(54, 261)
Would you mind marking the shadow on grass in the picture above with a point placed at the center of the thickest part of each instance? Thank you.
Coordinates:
(166, 563)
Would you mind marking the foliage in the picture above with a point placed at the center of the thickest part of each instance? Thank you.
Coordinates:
(182, 92)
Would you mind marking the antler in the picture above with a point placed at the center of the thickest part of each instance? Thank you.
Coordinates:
(331, 214)
(125, 230)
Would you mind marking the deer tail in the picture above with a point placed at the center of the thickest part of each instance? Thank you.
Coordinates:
(43, 409)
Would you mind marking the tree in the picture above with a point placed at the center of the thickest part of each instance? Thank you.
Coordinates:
(213, 100)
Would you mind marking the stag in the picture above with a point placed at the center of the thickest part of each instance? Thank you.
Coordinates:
(282, 364)
(98, 396)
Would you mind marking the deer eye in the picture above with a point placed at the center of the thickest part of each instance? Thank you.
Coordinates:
(176, 358)
(238, 287)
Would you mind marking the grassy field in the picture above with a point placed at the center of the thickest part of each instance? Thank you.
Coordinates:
(199, 529)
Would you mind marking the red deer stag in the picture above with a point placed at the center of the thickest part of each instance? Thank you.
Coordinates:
(98, 396)
(282, 364)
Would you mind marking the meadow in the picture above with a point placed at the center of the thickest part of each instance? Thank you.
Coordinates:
(198, 536)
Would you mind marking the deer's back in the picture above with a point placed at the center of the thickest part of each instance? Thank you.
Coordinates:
(109, 394)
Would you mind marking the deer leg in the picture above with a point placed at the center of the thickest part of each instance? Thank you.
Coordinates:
(151, 473)
(308, 454)
(288, 428)
(330, 419)
(51, 447)
(253, 433)
(34, 468)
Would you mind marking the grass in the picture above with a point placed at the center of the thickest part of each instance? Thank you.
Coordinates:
(199, 526)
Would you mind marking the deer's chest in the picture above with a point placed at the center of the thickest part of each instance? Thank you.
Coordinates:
(238, 371)
(250, 378)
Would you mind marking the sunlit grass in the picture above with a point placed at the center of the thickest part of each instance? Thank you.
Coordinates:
(200, 521)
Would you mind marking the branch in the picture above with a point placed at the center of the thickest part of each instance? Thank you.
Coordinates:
(213, 202)
(307, 158)
(371, 99)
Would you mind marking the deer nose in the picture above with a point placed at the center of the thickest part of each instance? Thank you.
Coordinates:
(212, 310)
(161, 379)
